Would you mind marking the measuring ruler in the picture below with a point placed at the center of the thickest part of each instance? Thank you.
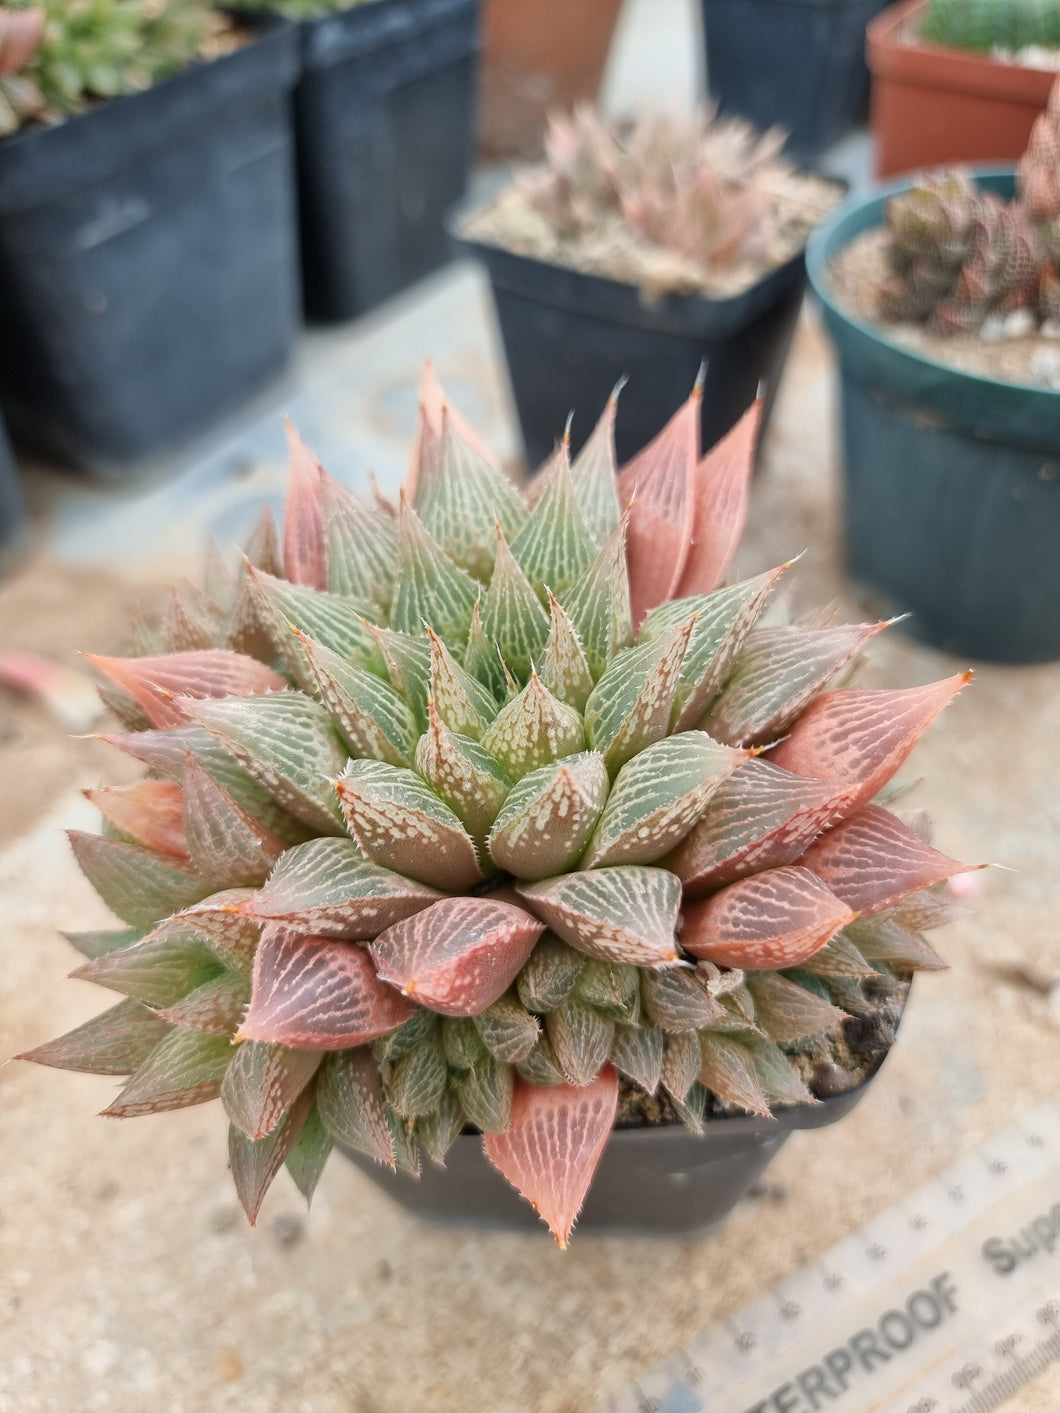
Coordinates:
(947, 1303)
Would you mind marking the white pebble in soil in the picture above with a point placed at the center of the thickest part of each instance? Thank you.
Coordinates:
(1044, 368)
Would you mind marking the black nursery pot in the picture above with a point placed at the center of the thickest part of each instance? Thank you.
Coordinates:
(12, 508)
(148, 264)
(384, 122)
(569, 337)
(951, 480)
(660, 1180)
(796, 63)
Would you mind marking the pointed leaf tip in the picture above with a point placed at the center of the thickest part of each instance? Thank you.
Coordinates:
(553, 1145)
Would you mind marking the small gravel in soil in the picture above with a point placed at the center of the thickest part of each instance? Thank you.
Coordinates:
(856, 274)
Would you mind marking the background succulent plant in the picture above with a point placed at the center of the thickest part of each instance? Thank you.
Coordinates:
(94, 49)
(457, 812)
(960, 255)
(991, 24)
(697, 185)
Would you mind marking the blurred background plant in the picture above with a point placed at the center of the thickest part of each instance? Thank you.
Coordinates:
(97, 49)
(984, 25)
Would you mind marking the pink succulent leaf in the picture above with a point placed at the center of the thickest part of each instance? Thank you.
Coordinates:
(262, 1082)
(400, 822)
(262, 548)
(761, 817)
(773, 920)
(857, 737)
(872, 860)
(159, 971)
(21, 32)
(554, 1144)
(350, 1100)
(116, 1042)
(188, 620)
(255, 1163)
(305, 545)
(434, 411)
(185, 1068)
(659, 485)
(625, 914)
(327, 887)
(777, 675)
(287, 743)
(721, 489)
(311, 993)
(151, 812)
(226, 845)
(727, 1068)
(216, 1007)
(137, 884)
(459, 955)
(789, 1012)
(159, 684)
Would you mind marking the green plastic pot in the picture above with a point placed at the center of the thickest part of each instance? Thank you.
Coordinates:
(951, 480)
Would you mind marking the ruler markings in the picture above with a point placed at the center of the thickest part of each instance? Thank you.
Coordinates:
(914, 1262)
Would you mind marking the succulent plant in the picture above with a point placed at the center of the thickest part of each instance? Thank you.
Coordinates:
(983, 25)
(457, 812)
(20, 34)
(697, 185)
(301, 9)
(92, 49)
(960, 255)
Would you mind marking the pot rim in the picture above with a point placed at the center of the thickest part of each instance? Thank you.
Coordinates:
(940, 66)
(832, 236)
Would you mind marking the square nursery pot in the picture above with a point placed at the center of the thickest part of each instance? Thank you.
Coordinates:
(12, 507)
(537, 57)
(148, 264)
(798, 63)
(952, 480)
(569, 337)
(660, 1180)
(932, 105)
(384, 116)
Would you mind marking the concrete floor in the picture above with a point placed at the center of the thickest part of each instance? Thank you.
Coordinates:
(128, 1278)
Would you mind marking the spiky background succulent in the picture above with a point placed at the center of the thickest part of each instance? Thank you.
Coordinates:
(699, 185)
(992, 24)
(301, 9)
(96, 49)
(961, 255)
(459, 811)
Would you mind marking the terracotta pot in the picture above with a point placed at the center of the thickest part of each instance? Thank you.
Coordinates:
(933, 105)
(538, 56)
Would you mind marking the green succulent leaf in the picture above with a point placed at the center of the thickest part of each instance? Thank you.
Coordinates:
(512, 614)
(332, 620)
(884, 939)
(464, 774)
(598, 604)
(117, 1042)
(548, 817)
(625, 914)
(215, 1007)
(486, 1095)
(226, 845)
(780, 1082)
(468, 498)
(185, 1068)
(788, 1012)
(460, 699)
(328, 888)
(262, 1082)
(398, 821)
(555, 546)
(507, 1031)
(681, 1062)
(96, 944)
(565, 668)
(594, 472)
(550, 974)
(349, 1096)
(254, 1164)
(362, 545)
(580, 1038)
(728, 1069)
(309, 1154)
(438, 1131)
(637, 1052)
(375, 720)
(678, 1001)
(417, 1081)
(612, 990)
(429, 588)
(657, 797)
(138, 885)
(408, 665)
(630, 706)
(483, 660)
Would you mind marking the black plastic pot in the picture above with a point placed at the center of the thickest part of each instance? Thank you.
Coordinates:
(799, 63)
(568, 338)
(952, 481)
(148, 263)
(12, 507)
(384, 120)
(657, 1180)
